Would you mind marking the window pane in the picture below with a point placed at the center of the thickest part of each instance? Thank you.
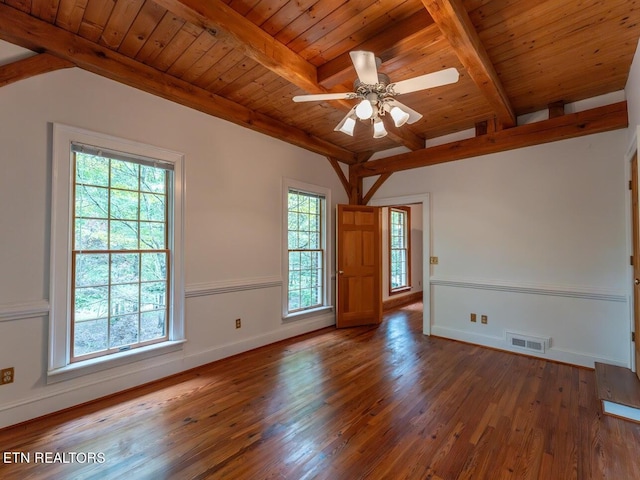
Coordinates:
(152, 179)
(294, 261)
(152, 236)
(124, 205)
(92, 202)
(92, 170)
(293, 227)
(154, 296)
(91, 303)
(124, 175)
(92, 270)
(90, 336)
(152, 207)
(91, 234)
(124, 299)
(293, 202)
(303, 203)
(294, 300)
(124, 235)
(154, 266)
(304, 240)
(123, 331)
(152, 325)
(294, 280)
(125, 267)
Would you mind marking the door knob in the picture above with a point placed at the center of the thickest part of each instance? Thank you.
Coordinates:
(340, 272)
(637, 281)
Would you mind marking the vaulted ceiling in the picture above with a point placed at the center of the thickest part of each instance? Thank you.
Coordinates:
(244, 60)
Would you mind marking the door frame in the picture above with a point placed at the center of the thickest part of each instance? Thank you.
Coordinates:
(631, 151)
(422, 198)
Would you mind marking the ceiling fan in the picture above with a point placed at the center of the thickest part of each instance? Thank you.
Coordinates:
(376, 94)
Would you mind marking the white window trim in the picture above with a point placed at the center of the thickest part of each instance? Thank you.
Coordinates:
(59, 366)
(288, 183)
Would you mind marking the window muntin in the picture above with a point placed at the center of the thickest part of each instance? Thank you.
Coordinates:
(399, 249)
(120, 288)
(305, 250)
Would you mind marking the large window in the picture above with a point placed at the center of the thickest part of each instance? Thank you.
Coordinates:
(306, 254)
(117, 283)
(399, 249)
(120, 284)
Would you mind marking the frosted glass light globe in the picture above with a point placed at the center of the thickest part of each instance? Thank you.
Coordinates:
(364, 110)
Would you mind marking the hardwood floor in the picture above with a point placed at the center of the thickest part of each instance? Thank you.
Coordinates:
(378, 403)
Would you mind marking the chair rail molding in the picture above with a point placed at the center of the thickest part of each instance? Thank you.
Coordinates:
(19, 311)
(229, 286)
(573, 291)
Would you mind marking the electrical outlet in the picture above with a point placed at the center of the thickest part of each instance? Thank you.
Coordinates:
(484, 319)
(6, 375)
(238, 322)
(433, 260)
(473, 317)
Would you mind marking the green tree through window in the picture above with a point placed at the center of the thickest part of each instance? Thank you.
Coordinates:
(120, 254)
(305, 239)
(399, 248)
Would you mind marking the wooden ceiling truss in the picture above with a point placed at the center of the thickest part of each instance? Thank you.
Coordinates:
(242, 61)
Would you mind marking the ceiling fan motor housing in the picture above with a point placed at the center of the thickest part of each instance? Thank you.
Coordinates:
(375, 94)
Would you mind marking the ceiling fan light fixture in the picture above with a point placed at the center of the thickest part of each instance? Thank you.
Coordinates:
(364, 110)
(399, 116)
(378, 128)
(348, 126)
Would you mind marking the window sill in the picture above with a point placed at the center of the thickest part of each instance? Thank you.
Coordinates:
(94, 365)
(307, 313)
(400, 290)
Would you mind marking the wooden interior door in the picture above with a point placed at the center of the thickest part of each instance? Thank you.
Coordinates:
(635, 226)
(359, 263)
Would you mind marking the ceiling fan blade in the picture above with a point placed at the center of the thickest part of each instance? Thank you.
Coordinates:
(430, 80)
(413, 115)
(324, 96)
(365, 65)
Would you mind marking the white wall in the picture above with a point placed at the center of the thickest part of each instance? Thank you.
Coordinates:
(233, 230)
(416, 252)
(534, 238)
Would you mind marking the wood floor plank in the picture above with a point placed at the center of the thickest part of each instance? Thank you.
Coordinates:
(373, 402)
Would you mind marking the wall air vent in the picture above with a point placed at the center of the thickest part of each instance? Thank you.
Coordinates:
(528, 342)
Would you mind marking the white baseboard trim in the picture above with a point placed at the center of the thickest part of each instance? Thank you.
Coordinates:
(287, 331)
(18, 311)
(572, 291)
(555, 354)
(229, 286)
(61, 396)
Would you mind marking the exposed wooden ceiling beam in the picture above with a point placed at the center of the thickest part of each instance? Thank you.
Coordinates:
(343, 179)
(374, 188)
(395, 41)
(454, 22)
(30, 67)
(29, 32)
(596, 120)
(215, 15)
(404, 136)
(257, 44)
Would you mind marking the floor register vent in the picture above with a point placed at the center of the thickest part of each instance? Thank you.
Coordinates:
(528, 342)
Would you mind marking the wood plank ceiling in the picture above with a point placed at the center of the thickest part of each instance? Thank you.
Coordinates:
(243, 60)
